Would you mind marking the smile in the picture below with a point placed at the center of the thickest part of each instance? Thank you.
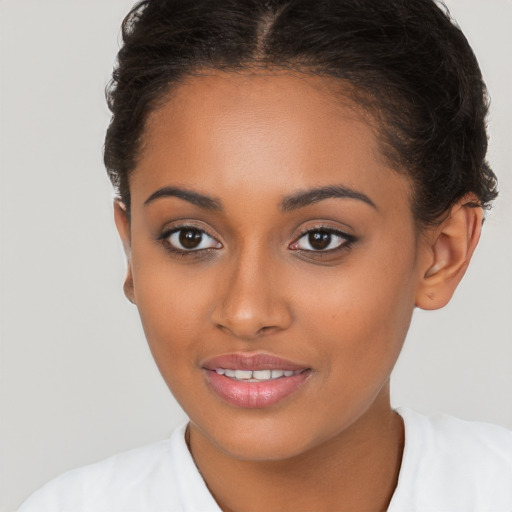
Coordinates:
(256, 375)
(254, 380)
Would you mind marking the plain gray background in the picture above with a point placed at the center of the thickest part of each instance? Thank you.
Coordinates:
(77, 380)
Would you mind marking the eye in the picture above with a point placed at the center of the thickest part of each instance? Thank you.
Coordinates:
(189, 239)
(322, 240)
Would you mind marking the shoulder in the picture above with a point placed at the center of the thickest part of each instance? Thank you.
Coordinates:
(144, 479)
(467, 442)
(455, 463)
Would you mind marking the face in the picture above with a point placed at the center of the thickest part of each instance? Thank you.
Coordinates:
(273, 259)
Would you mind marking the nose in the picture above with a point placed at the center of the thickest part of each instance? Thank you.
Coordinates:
(250, 303)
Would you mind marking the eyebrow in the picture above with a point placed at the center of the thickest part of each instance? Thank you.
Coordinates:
(302, 199)
(208, 203)
(290, 203)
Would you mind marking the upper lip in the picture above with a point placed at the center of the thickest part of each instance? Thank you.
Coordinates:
(251, 361)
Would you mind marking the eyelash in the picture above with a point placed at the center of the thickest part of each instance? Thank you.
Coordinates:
(346, 245)
(183, 253)
(164, 238)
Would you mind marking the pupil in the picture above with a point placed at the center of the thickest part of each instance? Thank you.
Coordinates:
(319, 239)
(190, 238)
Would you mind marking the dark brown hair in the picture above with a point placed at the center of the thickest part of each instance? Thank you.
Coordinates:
(410, 63)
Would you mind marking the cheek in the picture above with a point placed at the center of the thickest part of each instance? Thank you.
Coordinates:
(362, 311)
(356, 330)
(172, 306)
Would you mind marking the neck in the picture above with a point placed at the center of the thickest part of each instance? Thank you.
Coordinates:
(357, 469)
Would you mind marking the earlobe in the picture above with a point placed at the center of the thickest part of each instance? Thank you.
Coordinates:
(449, 250)
(123, 228)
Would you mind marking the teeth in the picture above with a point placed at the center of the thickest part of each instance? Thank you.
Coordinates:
(243, 374)
(255, 375)
(261, 374)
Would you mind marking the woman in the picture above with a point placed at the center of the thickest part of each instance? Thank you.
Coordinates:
(294, 178)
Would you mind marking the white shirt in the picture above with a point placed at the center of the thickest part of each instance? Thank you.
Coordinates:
(448, 465)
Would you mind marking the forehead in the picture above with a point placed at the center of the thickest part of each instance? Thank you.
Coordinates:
(226, 132)
(278, 104)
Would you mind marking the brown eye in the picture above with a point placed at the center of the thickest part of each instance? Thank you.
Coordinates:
(322, 240)
(190, 238)
(319, 240)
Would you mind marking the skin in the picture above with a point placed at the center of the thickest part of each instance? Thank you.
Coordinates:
(249, 141)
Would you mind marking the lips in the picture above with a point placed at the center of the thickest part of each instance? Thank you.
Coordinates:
(254, 380)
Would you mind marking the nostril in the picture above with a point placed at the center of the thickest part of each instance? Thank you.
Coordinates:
(247, 333)
(223, 328)
(266, 329)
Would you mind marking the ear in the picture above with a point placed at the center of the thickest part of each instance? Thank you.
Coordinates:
(448, 253)
(123, 228)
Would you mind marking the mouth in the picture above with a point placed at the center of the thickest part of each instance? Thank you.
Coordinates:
(254, 380)
(256, 375)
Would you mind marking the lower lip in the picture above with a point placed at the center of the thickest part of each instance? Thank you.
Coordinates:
(254, 395)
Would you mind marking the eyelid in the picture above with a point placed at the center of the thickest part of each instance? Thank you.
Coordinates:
(168, 232)
(183, 224)
(349, 239)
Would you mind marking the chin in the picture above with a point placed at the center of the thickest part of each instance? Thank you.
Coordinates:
(264, 439)
(266, 448)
